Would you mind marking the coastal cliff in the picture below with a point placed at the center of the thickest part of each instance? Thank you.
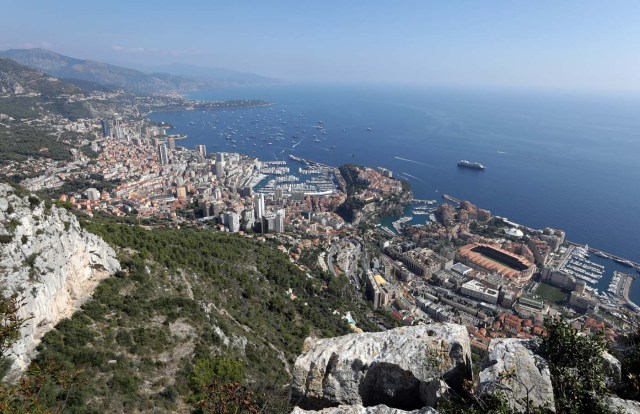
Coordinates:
(371, 193)
(50, 262)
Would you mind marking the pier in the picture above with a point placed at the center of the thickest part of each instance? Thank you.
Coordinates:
(451, 198)
(635, 265)
(418, 201)
(625, 293)
(309, 162)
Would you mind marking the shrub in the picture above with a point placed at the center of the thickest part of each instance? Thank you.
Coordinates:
(577, 368)
(218, 369)
(33, 202)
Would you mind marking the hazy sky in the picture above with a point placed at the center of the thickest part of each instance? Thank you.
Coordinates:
(552, 44)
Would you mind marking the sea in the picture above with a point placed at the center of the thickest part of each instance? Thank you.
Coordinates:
(563, 160)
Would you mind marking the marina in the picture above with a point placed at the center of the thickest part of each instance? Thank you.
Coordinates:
(400, 222)
(579, 265)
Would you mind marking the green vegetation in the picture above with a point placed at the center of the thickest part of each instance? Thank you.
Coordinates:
(195, 317)
(79, 185)
(493, 228)
(551, 293)
(577, 372)
(19, 107)
(217, 370)
(347, 210)
(577, 368)
(71, 110)
(351, 177)
(628, 352)
(21, 141)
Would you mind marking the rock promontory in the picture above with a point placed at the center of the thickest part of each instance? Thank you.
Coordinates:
(50, 262)
(404, 368)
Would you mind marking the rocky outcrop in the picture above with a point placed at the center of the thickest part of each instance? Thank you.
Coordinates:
(51, 262)
(401, 368)
(358, 409)
(514, 370)
(618, 405)
(613, 370)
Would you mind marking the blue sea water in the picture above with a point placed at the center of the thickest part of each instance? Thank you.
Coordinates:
(563, 160)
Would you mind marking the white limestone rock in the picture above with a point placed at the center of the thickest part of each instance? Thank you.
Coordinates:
(51, 262)
(621, 406)
(397, 368)
(515, 370)
(613, 370)
(358, 409)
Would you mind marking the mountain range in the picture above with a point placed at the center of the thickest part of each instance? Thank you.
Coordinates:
(173, 78)
(17, 79)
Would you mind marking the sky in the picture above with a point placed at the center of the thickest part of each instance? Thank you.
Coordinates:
(568, 44)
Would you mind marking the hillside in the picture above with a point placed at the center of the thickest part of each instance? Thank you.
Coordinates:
(20, 80)
(29, 101)
(28, 93)
(101, 73)
(188, 306)
(163, 81)
(45, 254)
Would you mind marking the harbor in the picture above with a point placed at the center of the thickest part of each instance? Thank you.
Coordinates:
(618, 273)
(578, 264)
(619, 288)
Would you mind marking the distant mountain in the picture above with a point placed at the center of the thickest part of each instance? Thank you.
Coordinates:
(28, 93)
(19, 80)
(163, 81)
(102, 73)
(215, 76)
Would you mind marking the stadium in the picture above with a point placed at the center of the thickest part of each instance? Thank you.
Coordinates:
(493, 259)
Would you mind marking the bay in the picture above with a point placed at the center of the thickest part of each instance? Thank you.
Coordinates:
(569, 161)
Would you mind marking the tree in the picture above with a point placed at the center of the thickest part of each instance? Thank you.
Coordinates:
(10, 323)
(217, 370)
(628, 352)
(577, 368)
(24, 397)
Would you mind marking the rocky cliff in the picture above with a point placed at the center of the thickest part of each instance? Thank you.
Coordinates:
(48, 260)
(405, 368)
(413, 370)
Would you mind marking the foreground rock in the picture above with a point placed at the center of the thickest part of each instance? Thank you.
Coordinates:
(613, 371)
(48, 260)
(401, 368)
(515, 371)
(621, 406)
(358, 409)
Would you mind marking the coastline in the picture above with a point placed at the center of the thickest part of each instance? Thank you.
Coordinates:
(202, 106)
(348, 133)
(625, 294)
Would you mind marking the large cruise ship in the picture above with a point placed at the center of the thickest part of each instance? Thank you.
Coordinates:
(469, 164)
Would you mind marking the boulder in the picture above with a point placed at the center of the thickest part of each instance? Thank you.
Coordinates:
(613, 370)
(515, 371)
(621, 406)
(358, 409)
(400, 368)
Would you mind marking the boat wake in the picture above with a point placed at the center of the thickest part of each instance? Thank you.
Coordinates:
(415, 162)
(413, 176)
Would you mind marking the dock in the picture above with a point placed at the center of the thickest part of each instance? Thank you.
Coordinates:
(608, 255)
(451, 198)
(418, 201)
